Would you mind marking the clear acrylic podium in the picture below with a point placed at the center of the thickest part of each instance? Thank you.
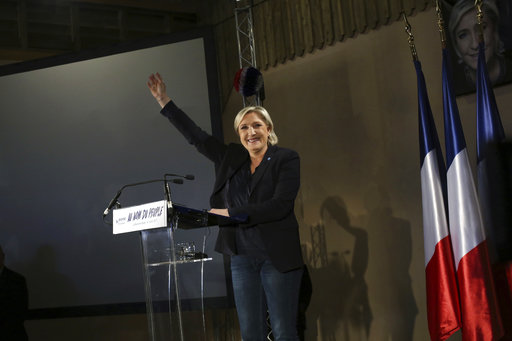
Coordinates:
(164, 265)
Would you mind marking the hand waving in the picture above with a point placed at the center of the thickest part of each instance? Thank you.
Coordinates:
(157, 87)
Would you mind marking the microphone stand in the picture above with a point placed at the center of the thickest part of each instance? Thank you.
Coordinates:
(173, 225)
(167, 190)
(114, 203)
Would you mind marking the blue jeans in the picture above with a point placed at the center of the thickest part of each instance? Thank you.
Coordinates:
(258, 285)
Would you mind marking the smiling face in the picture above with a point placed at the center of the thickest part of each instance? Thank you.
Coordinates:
(467, 39)
(254, 132)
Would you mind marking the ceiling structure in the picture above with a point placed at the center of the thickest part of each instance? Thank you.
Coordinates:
(283, 29)
(31, 29)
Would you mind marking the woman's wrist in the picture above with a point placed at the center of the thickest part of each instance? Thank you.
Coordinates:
(163, 100)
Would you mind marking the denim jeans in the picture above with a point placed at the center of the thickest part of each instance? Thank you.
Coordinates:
(259, 286)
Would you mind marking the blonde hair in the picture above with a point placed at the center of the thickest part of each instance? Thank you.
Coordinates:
(491, 13)
(264, 115)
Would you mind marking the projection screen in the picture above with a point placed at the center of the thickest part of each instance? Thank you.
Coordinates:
(73, 130)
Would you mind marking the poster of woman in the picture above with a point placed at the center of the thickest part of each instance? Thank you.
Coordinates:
(463, 36)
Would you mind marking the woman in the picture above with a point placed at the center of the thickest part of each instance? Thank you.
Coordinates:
(464, 33)
(257, 180)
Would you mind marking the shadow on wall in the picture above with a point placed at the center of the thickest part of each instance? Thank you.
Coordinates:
(390, 288)
(361, 283)
(48, 288)
(339, 308)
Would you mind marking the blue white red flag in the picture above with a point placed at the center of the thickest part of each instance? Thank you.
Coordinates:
(443, 309)
(489, 130)
(491, 189)
(479, 309)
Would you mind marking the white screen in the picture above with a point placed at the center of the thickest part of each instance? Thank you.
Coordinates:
(70, 136)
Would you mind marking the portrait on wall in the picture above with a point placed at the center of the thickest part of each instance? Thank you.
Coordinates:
(462, 33)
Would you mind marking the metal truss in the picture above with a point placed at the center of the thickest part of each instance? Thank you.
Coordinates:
(245, 38)
(318, 257)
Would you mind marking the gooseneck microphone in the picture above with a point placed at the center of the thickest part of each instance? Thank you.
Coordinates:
(188, 176)
(176, 181)
(114, 201)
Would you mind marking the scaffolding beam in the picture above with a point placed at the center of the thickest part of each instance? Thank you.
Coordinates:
(245, 39)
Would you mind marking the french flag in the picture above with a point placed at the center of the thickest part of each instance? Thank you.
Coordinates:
(492, 190)
(443, 309)
(479, 309)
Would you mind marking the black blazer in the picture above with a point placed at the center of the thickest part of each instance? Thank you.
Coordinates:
(273, 191)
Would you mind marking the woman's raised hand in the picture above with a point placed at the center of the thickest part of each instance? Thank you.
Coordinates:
(157, 87)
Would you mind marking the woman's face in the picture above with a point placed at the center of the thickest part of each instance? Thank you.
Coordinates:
(466, 39)
(253, 132)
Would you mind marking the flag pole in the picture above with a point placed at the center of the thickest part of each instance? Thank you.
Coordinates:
(440, 25)
(443, 305)
(479, 20)
(408, 30)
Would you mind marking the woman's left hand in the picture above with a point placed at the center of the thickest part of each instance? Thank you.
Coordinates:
(220, 211)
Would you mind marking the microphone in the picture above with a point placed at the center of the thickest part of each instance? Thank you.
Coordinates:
(176, 181)
(188, 176)
(168, 189)
(112, 203)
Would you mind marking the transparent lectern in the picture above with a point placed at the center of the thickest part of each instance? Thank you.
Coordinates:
(165, 262)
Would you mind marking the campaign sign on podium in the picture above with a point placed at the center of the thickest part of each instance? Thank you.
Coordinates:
(142, 217)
